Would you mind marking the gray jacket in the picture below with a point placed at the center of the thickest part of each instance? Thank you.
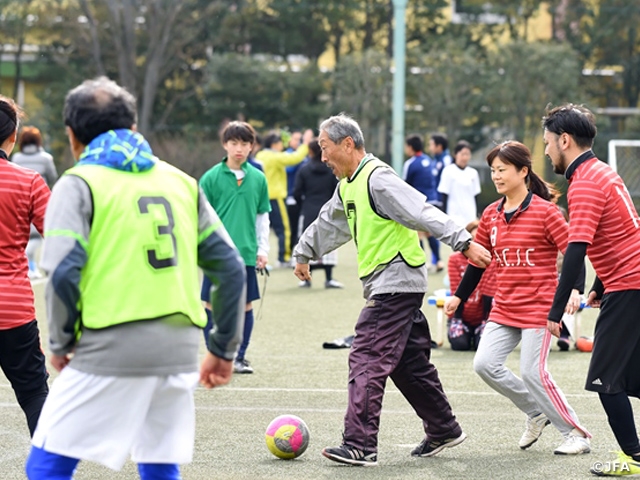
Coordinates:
(37, 159)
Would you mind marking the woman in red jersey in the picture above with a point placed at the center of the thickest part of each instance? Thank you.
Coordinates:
(23, 200)
(524, 231)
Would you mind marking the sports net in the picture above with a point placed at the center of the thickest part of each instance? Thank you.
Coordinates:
(624, 157)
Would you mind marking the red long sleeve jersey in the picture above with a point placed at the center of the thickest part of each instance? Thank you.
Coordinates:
(473, 312)
(602, 215)
(524, 251)
(23, 201)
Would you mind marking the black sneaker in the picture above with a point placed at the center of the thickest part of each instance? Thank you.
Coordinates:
(563, 344)
(351, 456)
(429, 449)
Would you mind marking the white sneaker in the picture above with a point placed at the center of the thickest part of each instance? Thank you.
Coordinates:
(333, 284)
(533, 430)
(241, 365)
(35, 274)
(304, 284)
(574, 444)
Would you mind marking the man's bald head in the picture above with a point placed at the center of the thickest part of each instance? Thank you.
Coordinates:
(97, 106)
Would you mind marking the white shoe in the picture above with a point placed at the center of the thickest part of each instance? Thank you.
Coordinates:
(533, 430)
(304, 284)
(574, 444)
(35, 274)
(333, 284)
(241, 365)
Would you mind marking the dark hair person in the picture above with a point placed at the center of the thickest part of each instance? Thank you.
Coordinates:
(523, 231)
(23, 196)
(605, 225)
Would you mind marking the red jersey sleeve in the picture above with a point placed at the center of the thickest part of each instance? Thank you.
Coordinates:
(482, 234)
(40, 194)
(556, 227)
(586, 206)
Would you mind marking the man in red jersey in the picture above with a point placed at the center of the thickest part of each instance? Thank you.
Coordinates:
(23, 200)
(605, 225)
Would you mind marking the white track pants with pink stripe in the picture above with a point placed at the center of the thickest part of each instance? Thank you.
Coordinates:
(535, 392)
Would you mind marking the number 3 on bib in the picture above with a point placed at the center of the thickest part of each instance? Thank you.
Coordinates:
(161, 229)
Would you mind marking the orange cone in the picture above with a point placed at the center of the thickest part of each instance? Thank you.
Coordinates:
(584, 344)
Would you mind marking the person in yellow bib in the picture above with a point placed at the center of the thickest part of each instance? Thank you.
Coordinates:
(124, 235)
(274, 162)
(382, 214)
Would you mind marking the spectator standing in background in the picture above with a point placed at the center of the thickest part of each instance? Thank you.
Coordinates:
(460, 186)
(257, 145)
(293, 209)
(315, 184)
(274, 162)
(439, 150)
(422, 173)
(33, 156)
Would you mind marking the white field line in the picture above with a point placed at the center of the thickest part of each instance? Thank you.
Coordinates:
(344, 390)
(387, 391)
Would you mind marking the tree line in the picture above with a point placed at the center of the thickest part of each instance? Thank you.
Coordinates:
(194, 64)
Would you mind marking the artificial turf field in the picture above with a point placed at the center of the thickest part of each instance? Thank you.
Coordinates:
(294, 374)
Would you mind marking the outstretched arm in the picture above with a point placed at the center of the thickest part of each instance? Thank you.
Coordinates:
(328, 232)
(395, 199)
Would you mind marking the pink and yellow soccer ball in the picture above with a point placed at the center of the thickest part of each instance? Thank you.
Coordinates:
(287, 436)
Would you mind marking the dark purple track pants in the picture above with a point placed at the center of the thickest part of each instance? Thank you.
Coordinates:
(393, 340)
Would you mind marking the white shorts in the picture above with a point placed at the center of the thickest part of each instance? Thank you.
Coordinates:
(105, 419)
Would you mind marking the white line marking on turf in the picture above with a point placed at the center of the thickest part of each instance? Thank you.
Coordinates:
(344, 390)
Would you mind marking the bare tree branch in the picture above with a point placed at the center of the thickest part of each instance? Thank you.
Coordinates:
(95, 41)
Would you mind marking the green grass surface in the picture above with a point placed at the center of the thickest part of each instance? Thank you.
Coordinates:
(294, 374)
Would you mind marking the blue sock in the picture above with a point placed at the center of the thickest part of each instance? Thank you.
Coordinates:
(246, 334)
(159, 471)
(43, 465)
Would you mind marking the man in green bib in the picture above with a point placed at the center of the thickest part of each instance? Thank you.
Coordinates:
(124, 235)
(382, 214)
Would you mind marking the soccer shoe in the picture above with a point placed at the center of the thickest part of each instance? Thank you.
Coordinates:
(339, 343)
(304, 284)
(622, 466)
(429, 448)
(351, 456)
(333, 284)
(574, 444)
(241, 365)
(533, 430)
(35, 275)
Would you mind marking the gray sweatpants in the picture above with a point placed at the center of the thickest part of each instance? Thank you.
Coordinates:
(535, 392)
